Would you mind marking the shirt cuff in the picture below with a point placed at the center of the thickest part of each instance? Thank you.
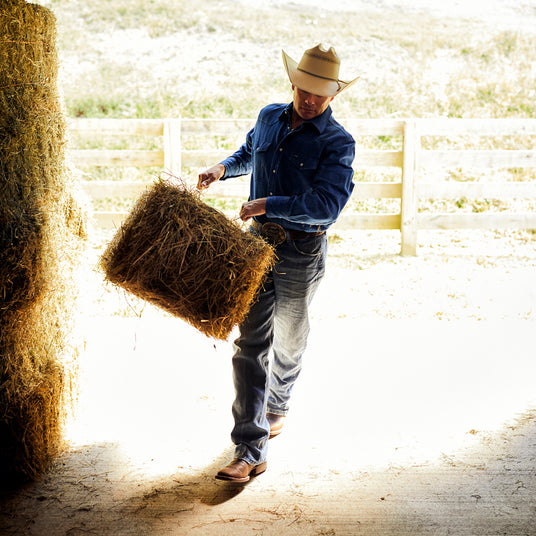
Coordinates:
(227, 163)
(277, 206)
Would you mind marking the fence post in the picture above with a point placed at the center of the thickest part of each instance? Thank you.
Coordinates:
(172, 146)
(408, 209)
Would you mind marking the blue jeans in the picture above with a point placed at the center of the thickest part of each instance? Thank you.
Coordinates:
(272, 339)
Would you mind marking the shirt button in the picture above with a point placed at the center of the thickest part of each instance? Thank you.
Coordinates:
(273, 171)
(280, 149)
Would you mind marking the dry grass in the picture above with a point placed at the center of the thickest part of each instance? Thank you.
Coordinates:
(222, 59)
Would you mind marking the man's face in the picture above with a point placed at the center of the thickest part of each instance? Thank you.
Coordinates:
(309, 106)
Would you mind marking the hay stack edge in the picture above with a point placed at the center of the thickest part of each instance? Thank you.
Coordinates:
(187, 258)
(42, 236)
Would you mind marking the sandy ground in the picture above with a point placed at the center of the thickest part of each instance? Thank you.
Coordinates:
(415, 413)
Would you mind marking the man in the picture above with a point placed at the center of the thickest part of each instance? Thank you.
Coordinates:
(300, 161)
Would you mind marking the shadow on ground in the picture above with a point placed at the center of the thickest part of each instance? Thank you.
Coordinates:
(487, 489)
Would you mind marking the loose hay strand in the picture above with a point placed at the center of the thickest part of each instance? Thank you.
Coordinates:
(187, 258)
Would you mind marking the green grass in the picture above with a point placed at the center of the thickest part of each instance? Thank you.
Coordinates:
(94, 106)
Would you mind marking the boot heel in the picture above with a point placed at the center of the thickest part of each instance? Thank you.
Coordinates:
(259, 469)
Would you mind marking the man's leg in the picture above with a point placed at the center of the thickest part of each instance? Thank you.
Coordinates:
(296, 280)
(251, 379)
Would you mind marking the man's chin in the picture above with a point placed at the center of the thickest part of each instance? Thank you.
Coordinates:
(307, 114)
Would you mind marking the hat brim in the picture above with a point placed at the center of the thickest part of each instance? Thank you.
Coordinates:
(313, 84)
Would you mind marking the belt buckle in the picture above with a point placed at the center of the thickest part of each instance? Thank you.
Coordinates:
(273, 233)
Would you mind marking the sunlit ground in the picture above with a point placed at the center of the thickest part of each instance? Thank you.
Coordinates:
(374, 393)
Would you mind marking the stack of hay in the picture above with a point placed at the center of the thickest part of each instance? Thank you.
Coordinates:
(42, 231)
(188, 259)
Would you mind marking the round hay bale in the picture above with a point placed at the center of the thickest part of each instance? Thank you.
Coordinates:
(187, 258)
(42, 232)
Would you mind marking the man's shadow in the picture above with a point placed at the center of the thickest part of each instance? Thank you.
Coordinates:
(186, 488)
(93, 487)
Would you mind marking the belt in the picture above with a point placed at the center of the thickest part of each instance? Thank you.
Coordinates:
(276, 234)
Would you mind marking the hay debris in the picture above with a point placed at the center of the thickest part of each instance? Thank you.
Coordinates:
(187, 258)
(42, 233)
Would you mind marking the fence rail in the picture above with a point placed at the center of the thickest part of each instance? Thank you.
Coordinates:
(412, 159)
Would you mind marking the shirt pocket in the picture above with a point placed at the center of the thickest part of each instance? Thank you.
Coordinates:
(304, 162)
(262, 155)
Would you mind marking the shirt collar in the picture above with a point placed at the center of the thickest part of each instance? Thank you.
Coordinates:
(320, 122)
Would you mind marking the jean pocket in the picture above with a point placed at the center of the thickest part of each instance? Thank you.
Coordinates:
(311, 246)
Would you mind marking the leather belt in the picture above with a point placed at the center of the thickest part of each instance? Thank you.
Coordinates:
(276, 234)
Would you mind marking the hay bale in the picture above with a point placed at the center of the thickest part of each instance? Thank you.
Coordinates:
(188, 259)
(42, 232)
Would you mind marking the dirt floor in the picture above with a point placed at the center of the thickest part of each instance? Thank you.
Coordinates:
(415, 413)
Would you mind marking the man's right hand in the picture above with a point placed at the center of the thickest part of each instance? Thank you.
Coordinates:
(210, 175)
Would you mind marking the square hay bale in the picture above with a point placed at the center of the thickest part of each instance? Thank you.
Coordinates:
(42, 233)
(187, 258)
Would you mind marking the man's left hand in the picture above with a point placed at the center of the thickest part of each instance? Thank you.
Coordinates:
(257, 207)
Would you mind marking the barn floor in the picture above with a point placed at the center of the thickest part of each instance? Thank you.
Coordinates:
(401, 424)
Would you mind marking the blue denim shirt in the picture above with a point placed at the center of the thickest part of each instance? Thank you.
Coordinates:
(305, 174)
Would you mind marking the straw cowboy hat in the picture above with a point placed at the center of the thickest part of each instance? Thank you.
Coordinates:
(317, 72)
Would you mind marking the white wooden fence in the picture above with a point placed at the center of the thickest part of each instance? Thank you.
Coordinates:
(412, 159)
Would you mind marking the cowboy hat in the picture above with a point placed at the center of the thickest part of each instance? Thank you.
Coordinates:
(317, 72)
